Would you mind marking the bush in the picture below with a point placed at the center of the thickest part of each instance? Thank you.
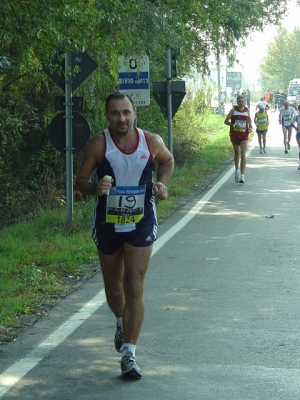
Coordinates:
(189, 131)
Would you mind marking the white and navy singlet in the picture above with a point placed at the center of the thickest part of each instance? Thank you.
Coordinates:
(132, 187)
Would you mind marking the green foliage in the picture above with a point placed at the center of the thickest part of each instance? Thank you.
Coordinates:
(282, 62)
(37, 254)
(32, 32)
(190, 132)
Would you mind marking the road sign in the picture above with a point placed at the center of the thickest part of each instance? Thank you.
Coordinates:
(234, 79)
(134, 79)
(81, 65)
(69, 132)
(60, 103)
(160, 95)
(80, 132)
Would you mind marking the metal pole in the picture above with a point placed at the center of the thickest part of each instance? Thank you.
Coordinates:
(69, 144)
(169, 100)
(219, 82)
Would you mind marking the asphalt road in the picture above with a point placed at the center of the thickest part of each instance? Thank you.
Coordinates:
(222, 304)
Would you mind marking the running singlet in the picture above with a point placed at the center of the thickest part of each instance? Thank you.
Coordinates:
(287, 115)
(240, 118)
(261, 121)
(130, 200)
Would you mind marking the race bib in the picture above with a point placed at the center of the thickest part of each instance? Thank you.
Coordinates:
(242, 125)
(287, 120)
(125, 204)
(261, 120)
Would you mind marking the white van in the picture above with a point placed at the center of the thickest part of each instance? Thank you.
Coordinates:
(294, 87)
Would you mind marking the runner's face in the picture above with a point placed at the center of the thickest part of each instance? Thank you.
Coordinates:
(120, 115)
(241, 102)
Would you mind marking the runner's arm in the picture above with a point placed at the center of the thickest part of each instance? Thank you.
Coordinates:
(93, 152)
(249, 120)
(226, 121)
(164, 161)
(255, 119)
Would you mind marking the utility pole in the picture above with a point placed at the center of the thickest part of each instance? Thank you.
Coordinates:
(169, 99)
(171, 73)
(69, 142)
(219, 81)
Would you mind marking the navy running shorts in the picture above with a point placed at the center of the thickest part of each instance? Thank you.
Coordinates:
(109, 241)
(261, 132)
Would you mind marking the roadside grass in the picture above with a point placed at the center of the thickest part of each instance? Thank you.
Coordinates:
(208, 159)
(37, 256)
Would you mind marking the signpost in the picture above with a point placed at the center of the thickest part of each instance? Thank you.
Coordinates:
(77, 103)
(169, 95)
(134, 79)
(80, 132)
(160, 95)
(81, 66)
(72, 70)
(234, 80)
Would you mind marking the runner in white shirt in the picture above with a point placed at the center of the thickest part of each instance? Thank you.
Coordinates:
(286, 114)
(263, 103)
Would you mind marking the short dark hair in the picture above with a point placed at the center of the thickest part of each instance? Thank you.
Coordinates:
(240, 97)
(118, 96)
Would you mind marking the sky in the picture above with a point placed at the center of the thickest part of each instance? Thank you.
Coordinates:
(257, 45)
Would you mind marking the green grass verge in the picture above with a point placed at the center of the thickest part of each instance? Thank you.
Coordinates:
(36, 255)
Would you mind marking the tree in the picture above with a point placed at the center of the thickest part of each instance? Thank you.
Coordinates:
(282, 62)
(33, 31)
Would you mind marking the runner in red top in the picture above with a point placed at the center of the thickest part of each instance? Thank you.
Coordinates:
(240, 124)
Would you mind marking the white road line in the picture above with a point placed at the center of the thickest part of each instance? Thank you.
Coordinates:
(19, 369)
(16, 372)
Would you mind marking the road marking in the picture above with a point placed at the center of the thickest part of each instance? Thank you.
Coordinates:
(19, 369)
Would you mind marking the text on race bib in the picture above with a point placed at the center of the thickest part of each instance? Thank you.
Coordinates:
(125, 204)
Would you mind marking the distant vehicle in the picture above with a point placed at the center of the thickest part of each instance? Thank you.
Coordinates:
(294, 88)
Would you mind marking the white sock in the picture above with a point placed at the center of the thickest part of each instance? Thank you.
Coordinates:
(119, 322)
(128, 347)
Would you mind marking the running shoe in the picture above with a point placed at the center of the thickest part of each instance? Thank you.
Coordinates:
(237, 175)
(129, 366)
(286, 151)
(288, 146)
(264, 150)
(119, 339)
(261, 151)
(242, 178)
(299, 168)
